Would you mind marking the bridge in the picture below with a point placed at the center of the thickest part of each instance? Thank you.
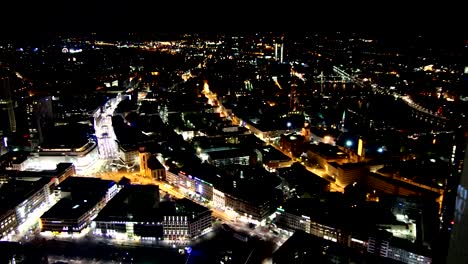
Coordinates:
(419, 112)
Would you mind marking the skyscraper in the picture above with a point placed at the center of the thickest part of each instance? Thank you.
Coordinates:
(279, 52)
(7, 112)
(455, 217)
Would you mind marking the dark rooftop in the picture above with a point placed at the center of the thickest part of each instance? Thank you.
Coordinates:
(230, 153)
(70, 208)
(327, 151)
(13, 157)
(270, 153)
(85, 187)
(153, 163)
(15, 192)
(186, 207)
(306, 248)
(123, 207)
(332, 208)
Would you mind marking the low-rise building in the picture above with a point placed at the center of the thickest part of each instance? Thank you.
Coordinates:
(324, 154)
(136, 212)
(20, 199)
(84, 157)
(365, 229)
(251, 191)
(81, 200)
(128, 154)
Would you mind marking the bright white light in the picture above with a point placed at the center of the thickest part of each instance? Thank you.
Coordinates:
(74, 50)
(349, 143)
(380, 150)
(288, 124)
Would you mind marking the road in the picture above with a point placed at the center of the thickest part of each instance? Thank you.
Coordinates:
(213, 101)
(377, 89)
(108, 148)
(226, 216)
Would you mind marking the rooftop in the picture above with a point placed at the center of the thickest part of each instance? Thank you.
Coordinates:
(272, 154)
(70, 208)
(230, 153)
(327, 151)
(122, 207)
(16, 191)
(60, 168)
(85, 187)
(153, 163)
(186, 207)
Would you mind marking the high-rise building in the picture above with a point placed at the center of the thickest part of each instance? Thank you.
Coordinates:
(7, 112)
(454, 211)
(39, 116)
(279, 52)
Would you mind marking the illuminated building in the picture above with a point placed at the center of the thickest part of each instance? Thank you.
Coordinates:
(190, 220)
(292, 143)
(224, 156)
(6, 107)
(279, 52)
(84, 157)
(21, 198)
(305, 132)
(250, 191)
(364, 230)
(143, 158)
(324, 154)
(457, 252)
(305, 248)
(151, 167)
(78, 205)
(361, 151)
(136, 212)
(40, 117)
(128, 154)
(347, 173)
(14, 160)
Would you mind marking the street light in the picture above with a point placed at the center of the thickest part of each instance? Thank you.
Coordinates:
(349, 143)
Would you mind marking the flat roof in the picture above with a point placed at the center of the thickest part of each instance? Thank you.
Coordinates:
(229, 153)
(15, 192)
(70, 208)
(327, 150)
(15, 157)
(122, 208)
(331, 209)
(185, 206)
(85, 186)
(272, 154)
(254, 184)
(60, 169)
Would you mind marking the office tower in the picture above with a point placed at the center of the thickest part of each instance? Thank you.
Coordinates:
(39, 115)
(7, 112)
(455, 213)
(279, 52)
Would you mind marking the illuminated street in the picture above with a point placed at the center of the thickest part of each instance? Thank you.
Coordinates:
(233, 147)
(213, 100)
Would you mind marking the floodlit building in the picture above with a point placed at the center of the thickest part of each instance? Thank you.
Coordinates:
(84, 157)
(151, 167)
(20, 199)
(137, 213)
(80, 201)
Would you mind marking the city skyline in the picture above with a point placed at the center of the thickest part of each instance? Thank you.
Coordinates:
(233, 147)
